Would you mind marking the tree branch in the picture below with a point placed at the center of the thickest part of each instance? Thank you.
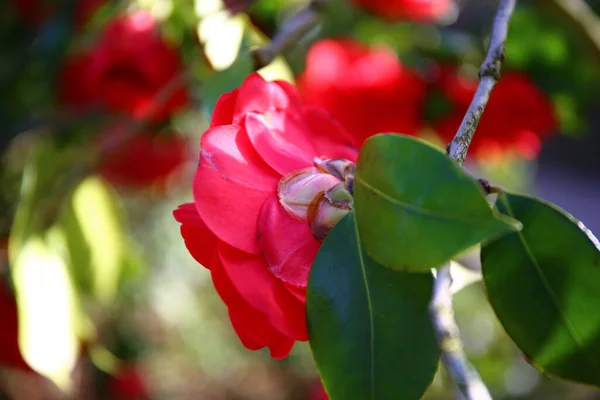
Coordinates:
(580, 17)
(488, 76)
(465, 378)
(467, 381)
(289, 34)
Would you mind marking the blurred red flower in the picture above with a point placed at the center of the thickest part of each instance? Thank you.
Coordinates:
(127, 384)
(367, 89)
(260, 202)
(35, 12)
(411, 9)
(10, 355)
(518, 116)
(143, 160)
(125, 71)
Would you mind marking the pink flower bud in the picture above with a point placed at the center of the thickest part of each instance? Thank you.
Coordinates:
(297, 190)
(327, 209)
(338, 167)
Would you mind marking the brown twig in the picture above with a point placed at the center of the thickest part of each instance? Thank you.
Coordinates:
(488, 76)
(466, 380)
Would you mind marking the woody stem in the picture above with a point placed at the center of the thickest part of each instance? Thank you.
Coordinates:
(465, 378)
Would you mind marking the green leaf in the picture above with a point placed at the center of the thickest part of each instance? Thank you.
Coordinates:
(416, 208)
(544, 285)
(93, 226)
(47, 176)
(226, 80)
(368, 325)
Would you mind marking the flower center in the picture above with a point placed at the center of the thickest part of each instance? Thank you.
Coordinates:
(320, 195)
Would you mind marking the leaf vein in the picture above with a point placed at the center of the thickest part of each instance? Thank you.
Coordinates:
(422, 211)
(568, 324)
(371, 311)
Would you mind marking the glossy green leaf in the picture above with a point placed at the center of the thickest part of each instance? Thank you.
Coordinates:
(544, 285)
(368, 325)
(416, 208)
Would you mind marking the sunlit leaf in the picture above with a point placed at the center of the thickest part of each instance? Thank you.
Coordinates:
(416, 208)
(544, 285)
(96, 241)
(231, 74)
(226, 81)
(48, 310)
(222, 36)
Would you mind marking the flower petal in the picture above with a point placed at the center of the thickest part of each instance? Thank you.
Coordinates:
(287, 244)
(252, 327)
(280, 141)
(245, 322)
(298, 293)
(258, 95)
(287, 87)
(330, 138)
(223, 112)
(263, 291)
(199, 240)
(230, 186)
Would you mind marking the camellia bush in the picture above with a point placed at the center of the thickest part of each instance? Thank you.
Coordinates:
(334, 167)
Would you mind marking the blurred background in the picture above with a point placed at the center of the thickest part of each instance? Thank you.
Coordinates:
(102, 106)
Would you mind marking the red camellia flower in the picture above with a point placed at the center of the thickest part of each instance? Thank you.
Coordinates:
(127, 384)
(411, 9)
(367, 89)
(143, 160)
(273, 178)
(35, 12)
(125, 71)
(518, 116)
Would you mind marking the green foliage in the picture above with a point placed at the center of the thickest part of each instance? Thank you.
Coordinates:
(548, 52)
(416, 208)
(43, 185)
(368, 325)
(30, 60)
(544, 285)
(227, 80)
(84, 215)
(93, 227)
